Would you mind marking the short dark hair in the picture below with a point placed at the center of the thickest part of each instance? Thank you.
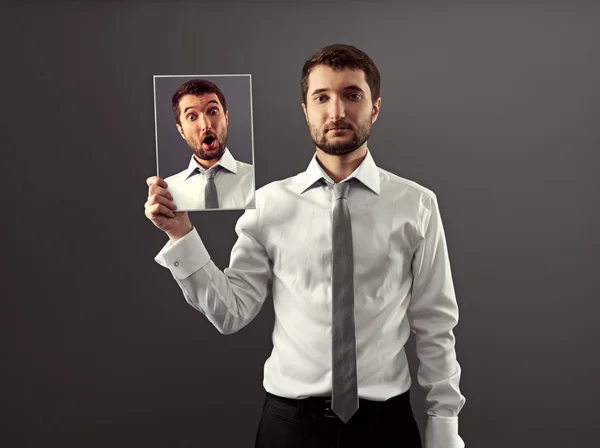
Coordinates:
(196, 87)
(338, 57)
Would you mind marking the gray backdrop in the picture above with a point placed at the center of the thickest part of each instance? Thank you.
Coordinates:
(494, 106)
(172, 152)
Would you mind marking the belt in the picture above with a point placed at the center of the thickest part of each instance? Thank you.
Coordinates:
(322, 405)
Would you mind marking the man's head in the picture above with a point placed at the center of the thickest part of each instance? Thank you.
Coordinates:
(201, 114)
(340, 94)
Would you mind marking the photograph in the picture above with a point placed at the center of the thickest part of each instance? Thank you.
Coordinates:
(204, 140)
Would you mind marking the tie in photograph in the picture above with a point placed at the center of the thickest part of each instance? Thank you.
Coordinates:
(344, 395)
(210, 190)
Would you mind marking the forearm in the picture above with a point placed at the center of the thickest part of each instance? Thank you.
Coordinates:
(229, 299)
(212, 293)
(433, 317)
(439, 375)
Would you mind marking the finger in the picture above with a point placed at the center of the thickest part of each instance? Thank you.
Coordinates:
(159, 209)
(158, 199)
(160, 191)
(155, 180)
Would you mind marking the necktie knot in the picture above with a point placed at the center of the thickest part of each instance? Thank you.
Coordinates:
(341, 190)
(210, 173)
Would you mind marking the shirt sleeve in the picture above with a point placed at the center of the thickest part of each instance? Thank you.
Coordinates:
(230, 299)
(433, 313)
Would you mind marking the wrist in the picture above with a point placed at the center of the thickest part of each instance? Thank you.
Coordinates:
(174, 236)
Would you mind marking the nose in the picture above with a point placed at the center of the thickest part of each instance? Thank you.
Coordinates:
(204, 122)
(337, 111)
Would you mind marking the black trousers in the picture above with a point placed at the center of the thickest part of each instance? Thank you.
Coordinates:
(310, 423)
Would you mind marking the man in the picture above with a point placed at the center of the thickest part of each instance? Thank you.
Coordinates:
(352, 272)
(213, 178)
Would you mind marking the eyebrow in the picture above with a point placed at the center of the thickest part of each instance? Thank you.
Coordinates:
(350, 87)
(191, 107)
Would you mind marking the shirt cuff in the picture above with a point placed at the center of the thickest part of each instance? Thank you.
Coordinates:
(185, 256)
(442, 432)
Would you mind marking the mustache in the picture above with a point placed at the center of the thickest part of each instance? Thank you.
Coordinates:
(339, 124)
(209, 134)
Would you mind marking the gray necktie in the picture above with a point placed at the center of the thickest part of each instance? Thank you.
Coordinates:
(210, 190)
(344, 395)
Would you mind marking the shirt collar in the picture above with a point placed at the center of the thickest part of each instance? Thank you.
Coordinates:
(367, 173)
(226, 161)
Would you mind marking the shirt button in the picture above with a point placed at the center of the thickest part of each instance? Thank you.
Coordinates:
(176, 263)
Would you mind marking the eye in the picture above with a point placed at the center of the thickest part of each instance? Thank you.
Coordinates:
(355, 96)
(320, 98)
(191, 117)
(214, 111)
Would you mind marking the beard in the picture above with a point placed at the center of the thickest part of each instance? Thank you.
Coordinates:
(342, 145)
(215, 153)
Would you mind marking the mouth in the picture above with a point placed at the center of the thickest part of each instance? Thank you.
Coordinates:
(338, 130)
(339, 127)
(209, 142)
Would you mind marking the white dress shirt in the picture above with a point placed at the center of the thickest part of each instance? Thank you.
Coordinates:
(402, 282)
(234, 181)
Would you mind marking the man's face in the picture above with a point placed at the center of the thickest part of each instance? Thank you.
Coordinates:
(338, 109)
(203, 125)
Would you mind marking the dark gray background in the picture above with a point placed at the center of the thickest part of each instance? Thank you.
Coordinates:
(494, 106)
(173, 153)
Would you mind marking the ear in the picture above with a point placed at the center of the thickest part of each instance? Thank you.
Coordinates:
(180, 129)
(304, 110)
(375, 112)
(226, 118)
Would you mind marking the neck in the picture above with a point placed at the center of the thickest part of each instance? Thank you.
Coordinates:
(339, 167)
(206, 164)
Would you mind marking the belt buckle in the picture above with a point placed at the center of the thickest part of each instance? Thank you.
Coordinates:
(328, 411)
